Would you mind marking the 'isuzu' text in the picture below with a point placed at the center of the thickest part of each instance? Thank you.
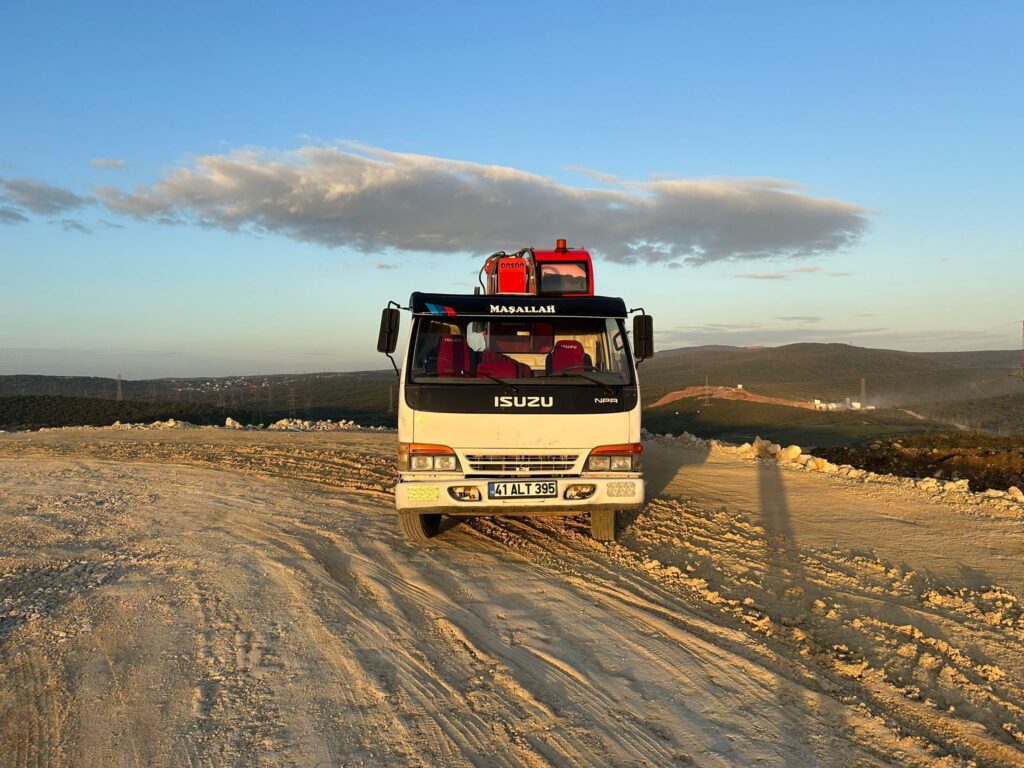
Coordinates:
(531, 401)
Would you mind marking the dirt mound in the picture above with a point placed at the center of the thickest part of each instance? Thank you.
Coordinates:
(984, 468)
(728, 393)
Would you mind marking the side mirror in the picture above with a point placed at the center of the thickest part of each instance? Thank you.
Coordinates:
(387, 340)
(643, 337)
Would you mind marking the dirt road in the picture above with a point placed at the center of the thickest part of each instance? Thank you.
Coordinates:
(208, 598)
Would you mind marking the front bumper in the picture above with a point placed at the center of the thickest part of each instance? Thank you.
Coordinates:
(431, 495)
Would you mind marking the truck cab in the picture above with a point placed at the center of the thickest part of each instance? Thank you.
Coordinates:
(519, 403)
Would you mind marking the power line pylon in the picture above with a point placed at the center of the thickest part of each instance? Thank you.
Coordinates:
(120, 388)
(1020, 372)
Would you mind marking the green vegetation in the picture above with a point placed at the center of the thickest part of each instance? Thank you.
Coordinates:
(36, 412)
(1003, 414)
(56, 411)
(740, 421)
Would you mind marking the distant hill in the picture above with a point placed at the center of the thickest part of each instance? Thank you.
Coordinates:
(362, 396)
(834, 371)
(956, 387)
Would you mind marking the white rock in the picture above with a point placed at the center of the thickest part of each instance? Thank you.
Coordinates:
(818, 464)
(788, 454)
(1015, 493)
(230, 423)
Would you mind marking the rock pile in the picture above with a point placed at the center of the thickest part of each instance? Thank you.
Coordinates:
(302, 425)
(117, 425)
(291, 425)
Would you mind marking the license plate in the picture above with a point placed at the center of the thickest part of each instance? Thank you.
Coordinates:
(543, 489)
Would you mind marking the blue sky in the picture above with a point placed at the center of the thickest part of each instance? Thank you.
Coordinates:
(889, 133)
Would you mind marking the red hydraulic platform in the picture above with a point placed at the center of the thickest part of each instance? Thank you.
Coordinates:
(561, 272)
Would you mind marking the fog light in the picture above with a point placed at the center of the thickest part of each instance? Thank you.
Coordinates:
(444, 463)
(575, 492)
(464, 492)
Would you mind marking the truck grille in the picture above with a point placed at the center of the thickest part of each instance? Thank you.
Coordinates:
(520, 464)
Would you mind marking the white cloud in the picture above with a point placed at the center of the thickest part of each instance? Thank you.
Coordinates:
(764, 276)
(785, 274)
(74, 225)
(370, 199)
(40, 197)
(11, 215)
(107, 163)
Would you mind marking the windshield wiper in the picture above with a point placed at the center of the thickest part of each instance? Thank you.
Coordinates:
(508, 384)
(607, 387)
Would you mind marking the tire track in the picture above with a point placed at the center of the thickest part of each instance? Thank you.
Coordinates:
(314, 630)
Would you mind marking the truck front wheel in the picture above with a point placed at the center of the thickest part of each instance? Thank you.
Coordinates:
(417, 527)
(602, 524)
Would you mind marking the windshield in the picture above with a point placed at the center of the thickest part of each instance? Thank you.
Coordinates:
(550, 350)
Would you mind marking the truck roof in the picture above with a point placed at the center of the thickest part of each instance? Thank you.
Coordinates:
(451, 305)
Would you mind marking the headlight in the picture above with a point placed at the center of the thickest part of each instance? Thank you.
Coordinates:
(622, 463)
(616, 458)
(421, 463)
(444, 463)
(421, 457)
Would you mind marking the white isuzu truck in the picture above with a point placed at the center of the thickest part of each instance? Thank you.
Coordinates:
(521, 399)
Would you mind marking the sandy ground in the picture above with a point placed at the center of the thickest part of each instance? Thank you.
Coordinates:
(208, 598)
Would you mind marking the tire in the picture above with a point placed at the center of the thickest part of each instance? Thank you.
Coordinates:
(419, 528)
(602, 524)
